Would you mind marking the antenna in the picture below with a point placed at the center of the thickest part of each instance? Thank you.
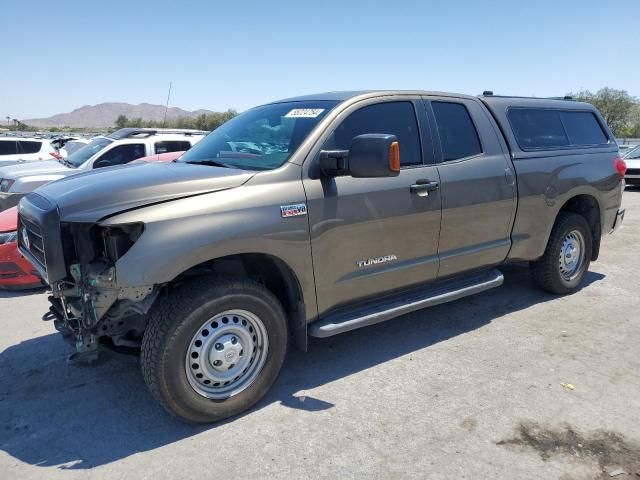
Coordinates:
(164, 120)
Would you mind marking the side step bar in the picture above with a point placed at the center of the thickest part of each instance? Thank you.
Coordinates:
(378, 311)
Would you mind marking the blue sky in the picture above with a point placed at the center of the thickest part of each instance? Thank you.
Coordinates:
(60, 55)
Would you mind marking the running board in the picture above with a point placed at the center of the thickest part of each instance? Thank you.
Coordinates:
(378, 311)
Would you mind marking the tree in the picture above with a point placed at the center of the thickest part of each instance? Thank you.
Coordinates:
(616, 106)
(122, 121)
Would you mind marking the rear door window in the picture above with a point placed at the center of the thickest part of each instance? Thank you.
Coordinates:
(8, 147)
(120, 155)
(458, 134)
(25, 146)
(172, 146)
(537, 128)
(395, 118)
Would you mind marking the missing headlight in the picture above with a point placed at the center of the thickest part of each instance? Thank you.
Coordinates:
(117, 240)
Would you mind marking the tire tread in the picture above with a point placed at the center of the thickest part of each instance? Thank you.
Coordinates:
(162, 329)
(544, 271)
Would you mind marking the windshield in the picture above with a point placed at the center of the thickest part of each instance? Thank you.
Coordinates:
(80, 156)
(262, 138)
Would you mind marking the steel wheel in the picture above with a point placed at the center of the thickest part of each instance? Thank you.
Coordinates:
(226, 354)
(572, 255)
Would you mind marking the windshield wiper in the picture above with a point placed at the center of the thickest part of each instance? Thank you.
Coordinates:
(211, 163)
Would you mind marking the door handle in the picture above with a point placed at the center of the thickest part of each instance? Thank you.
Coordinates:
(423, 187)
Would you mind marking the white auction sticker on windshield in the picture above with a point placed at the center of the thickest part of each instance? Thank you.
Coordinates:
(304, 113)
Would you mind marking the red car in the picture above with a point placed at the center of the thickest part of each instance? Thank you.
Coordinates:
(15, 271)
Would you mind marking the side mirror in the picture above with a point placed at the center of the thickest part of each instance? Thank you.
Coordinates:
(369, 156)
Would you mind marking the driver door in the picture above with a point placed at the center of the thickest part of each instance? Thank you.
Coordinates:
(374, 235)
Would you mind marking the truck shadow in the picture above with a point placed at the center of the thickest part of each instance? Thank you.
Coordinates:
(83, 417)
(9, 293)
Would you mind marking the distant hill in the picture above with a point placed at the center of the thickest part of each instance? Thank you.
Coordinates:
(105, 114)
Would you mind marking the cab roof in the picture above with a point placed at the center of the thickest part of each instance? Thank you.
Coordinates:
(341, 96)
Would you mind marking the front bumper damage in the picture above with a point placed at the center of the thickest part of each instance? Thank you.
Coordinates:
(94, 307)
(78, 261)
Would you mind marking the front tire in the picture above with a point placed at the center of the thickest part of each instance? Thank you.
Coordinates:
(567, 257)
(214, 347)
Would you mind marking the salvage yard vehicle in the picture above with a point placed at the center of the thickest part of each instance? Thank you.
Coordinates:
(16, 273)
(314, 216)
(632, 159)
(13, 149)
(117, 148)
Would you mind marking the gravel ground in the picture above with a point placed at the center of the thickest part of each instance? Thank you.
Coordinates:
(512, 383)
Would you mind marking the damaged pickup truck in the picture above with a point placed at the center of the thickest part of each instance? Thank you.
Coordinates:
(311, 217)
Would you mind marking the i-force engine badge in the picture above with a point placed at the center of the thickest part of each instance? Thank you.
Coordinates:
(294, 210)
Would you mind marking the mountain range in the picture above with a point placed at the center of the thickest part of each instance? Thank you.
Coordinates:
(105, 115)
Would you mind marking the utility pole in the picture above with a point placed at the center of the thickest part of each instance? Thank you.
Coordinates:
(164, 120)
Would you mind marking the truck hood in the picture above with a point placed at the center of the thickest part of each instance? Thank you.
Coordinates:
(34, 167)
(96, 194)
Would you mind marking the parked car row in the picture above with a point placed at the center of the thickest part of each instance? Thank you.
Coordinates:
(118, 148)
(19, 178)
(16, 273)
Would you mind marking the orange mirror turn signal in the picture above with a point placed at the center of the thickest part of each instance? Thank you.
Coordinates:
(394, 156)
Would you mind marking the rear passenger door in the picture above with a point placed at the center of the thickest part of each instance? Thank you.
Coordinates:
(477, 185)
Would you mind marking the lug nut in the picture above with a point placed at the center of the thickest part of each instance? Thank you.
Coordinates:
(219, 346)
(217, 363)
(234, 340)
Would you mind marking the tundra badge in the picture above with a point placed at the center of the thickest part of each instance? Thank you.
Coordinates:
(376, 260)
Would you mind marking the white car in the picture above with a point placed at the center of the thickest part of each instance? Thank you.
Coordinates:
(117, 148)
(632, 159)
(19, 148)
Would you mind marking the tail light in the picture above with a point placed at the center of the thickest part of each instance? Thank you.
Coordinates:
(56, 155)
(620, 166)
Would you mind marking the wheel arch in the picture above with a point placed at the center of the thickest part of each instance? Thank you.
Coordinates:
(273, 272)
(588, 207)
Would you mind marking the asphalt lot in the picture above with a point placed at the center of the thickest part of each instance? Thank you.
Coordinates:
(473, 389)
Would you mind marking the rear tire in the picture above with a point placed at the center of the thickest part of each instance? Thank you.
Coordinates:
(214, 347)
(567, 257)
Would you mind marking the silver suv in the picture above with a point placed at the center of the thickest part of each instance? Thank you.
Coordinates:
(117, 148)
